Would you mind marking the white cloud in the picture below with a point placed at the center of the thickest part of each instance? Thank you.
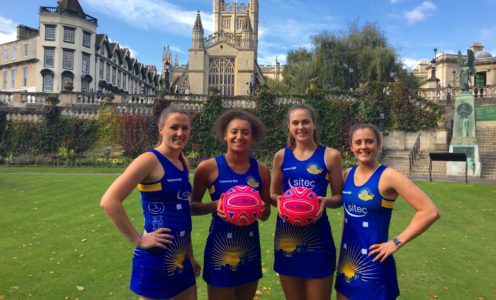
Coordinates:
(8, 31)
(394, 1)
(410, 63)
(177, 50)
(133, 52)
(420, 12)
(156, 14)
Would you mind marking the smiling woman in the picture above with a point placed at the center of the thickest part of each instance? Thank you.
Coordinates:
(232, 262)
(366, 266)
(163, 262)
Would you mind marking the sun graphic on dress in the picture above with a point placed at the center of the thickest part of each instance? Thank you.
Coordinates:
(314, 169)
(176, 254)
(290, 239)
(356, 265)
(232, 250)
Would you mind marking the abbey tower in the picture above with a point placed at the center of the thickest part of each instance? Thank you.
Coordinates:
(227, 59)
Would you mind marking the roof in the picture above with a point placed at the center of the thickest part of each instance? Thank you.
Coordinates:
(71, 5)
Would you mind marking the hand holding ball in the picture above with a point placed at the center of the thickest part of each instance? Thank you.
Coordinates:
(299, 206)
(242, 205)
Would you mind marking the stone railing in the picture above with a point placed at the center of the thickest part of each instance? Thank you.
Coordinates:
(441, 95)
(86, 105)
(222, 37)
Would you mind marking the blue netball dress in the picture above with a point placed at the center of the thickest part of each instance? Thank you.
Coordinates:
(366, 222)
(307, 251)
(232, 253)
(164, 273)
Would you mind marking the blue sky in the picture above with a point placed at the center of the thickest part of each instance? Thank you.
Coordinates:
(413, 27)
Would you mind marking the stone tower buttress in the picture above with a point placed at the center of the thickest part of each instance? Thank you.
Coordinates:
(253, 14)
(218, 4)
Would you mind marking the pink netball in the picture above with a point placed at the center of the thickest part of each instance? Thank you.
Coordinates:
(299, 206)
(242, 205)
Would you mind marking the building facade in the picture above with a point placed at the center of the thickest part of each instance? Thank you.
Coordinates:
(226, 60)
(66, 54)
(439, 76)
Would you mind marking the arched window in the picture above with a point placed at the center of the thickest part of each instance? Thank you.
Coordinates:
(47, 80)
(221, 75)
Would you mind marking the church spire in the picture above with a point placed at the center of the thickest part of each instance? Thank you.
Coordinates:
(198, 23)
(198, 33)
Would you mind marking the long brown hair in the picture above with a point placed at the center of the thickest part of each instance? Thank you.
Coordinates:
(311, 110)
(164, 115)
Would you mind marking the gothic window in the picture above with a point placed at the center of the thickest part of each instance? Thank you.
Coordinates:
(241, 22)
(226, 23)
(221, 75)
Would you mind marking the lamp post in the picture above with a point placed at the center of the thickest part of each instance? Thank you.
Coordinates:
(433, 64)
(449, 90)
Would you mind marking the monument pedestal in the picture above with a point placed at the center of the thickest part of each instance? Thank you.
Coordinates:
(464, 138)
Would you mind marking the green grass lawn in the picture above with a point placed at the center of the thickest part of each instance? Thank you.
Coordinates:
(56, 243)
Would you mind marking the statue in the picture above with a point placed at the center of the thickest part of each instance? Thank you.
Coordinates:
(465, 69)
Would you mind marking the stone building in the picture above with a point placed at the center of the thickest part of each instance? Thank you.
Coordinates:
(439, 80)
(66, 54)
(226, 60)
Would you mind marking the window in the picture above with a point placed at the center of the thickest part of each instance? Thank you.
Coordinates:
(4, 80)
(221, 75)
(14, 52)
(48, 82)
(114, 71)
(5, 54)
(26, 50)
(68, 59)
(69, 34)
(86, 63)
(119, 79)
(107, 75)
(85, 85)
(101, 65)
(124, 81)
(50, 32)
(86, 39)
(49, 56)
(25, 74)
(13, 78)
(227, 23)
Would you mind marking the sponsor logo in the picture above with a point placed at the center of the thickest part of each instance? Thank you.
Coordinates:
(365, 195)
(251, 181)
(228, 181)
(347, 192)
(355, 210)
(289, 168)
(174, 179)
(314, 169)
(301, 182)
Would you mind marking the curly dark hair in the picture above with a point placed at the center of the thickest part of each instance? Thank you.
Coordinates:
(221, 123)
